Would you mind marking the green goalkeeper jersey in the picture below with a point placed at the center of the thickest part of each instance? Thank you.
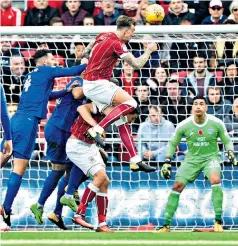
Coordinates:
(201, 139)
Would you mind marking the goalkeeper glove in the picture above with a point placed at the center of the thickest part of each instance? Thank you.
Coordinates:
(232, 158)
(166, 169)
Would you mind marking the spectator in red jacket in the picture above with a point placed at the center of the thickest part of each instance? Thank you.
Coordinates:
(75, 14)
(10, 16)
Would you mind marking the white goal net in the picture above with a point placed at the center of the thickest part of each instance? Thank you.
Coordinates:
(190, 60)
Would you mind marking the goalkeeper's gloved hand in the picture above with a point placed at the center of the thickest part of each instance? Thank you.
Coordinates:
(166, 169)
(232, 158)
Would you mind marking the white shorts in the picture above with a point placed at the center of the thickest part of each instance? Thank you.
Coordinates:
(85, 156)
(101, 92)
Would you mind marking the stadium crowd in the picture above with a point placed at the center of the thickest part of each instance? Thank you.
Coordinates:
(166, 85)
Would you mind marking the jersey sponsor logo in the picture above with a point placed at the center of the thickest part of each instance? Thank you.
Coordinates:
(210, 131)
(200, 132)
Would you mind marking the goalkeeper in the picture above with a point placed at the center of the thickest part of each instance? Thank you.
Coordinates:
(201, 132)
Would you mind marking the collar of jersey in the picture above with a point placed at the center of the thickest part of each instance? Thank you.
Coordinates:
(201, 125)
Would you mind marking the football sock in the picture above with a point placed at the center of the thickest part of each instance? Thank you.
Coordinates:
(119, 111)
(102, 205)
(127, 139)
(13, 187)
(49, 185)
(217, 199)
(61, 186)
(88, 195)
(77, 177)
(171, 207)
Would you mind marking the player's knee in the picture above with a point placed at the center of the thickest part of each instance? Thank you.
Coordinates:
(178, 187)
(20, 166)
(107, 181)
(215, 178)
(132, 102)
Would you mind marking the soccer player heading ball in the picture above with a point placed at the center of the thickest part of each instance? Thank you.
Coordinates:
(105, 51)
(201, 132)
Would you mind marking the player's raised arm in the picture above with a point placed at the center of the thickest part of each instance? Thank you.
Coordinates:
(140, 61)
(226, 140)
(88, 49)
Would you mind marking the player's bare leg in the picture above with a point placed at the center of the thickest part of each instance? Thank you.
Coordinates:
(217, 200)
(14, 183)
(172, 205)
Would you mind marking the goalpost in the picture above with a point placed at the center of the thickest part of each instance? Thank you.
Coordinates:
(136, 199)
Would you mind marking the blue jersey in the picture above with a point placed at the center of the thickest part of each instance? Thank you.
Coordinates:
(65, 112)
(4, 115)
(38, 85)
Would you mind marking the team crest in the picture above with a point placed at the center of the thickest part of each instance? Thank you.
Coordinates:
(210, 131)
(124, 48)
(200, 132)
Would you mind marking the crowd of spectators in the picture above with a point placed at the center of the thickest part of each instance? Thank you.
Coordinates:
(164, 87)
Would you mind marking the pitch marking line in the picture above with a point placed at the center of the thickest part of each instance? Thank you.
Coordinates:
(116, 242)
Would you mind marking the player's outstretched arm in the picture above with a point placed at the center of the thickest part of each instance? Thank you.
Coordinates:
(139, 62)
(72, 71)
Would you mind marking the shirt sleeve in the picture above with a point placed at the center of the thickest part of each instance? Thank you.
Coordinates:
(57, 94)
(224, 136)
(63, 72)
(5, 116)
(174, 142)
(120, 49)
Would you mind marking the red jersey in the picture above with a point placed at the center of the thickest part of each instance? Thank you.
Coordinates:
(80, 128)
(11, 17)
(106, 50)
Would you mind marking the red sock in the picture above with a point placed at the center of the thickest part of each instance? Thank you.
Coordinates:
(88, 195)
(102, 204)
(115, 114)
(127, 139)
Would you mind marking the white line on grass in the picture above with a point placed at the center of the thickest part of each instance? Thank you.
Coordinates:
(116, 242)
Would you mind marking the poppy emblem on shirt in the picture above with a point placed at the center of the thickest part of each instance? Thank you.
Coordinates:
(200, 132)
(9, 17)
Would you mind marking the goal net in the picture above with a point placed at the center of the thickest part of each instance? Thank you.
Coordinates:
(136, 199)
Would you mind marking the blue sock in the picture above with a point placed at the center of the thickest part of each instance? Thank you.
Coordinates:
(13, 187)
(62, 184)
(49, 185)
(77, 177)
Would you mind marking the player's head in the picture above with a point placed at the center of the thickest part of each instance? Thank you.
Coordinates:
(199, 107)
(44, 58)
(125, 28)
(133, 115)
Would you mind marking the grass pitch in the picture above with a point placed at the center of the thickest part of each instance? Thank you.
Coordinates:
(118, 238)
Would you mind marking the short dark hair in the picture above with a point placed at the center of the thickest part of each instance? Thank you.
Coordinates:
(56, 20)
(41, 53)
(229, 22)
(199, 97)
(141, 82)
(124, 21)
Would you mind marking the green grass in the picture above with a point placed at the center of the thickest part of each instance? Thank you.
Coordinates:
(140, 238)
